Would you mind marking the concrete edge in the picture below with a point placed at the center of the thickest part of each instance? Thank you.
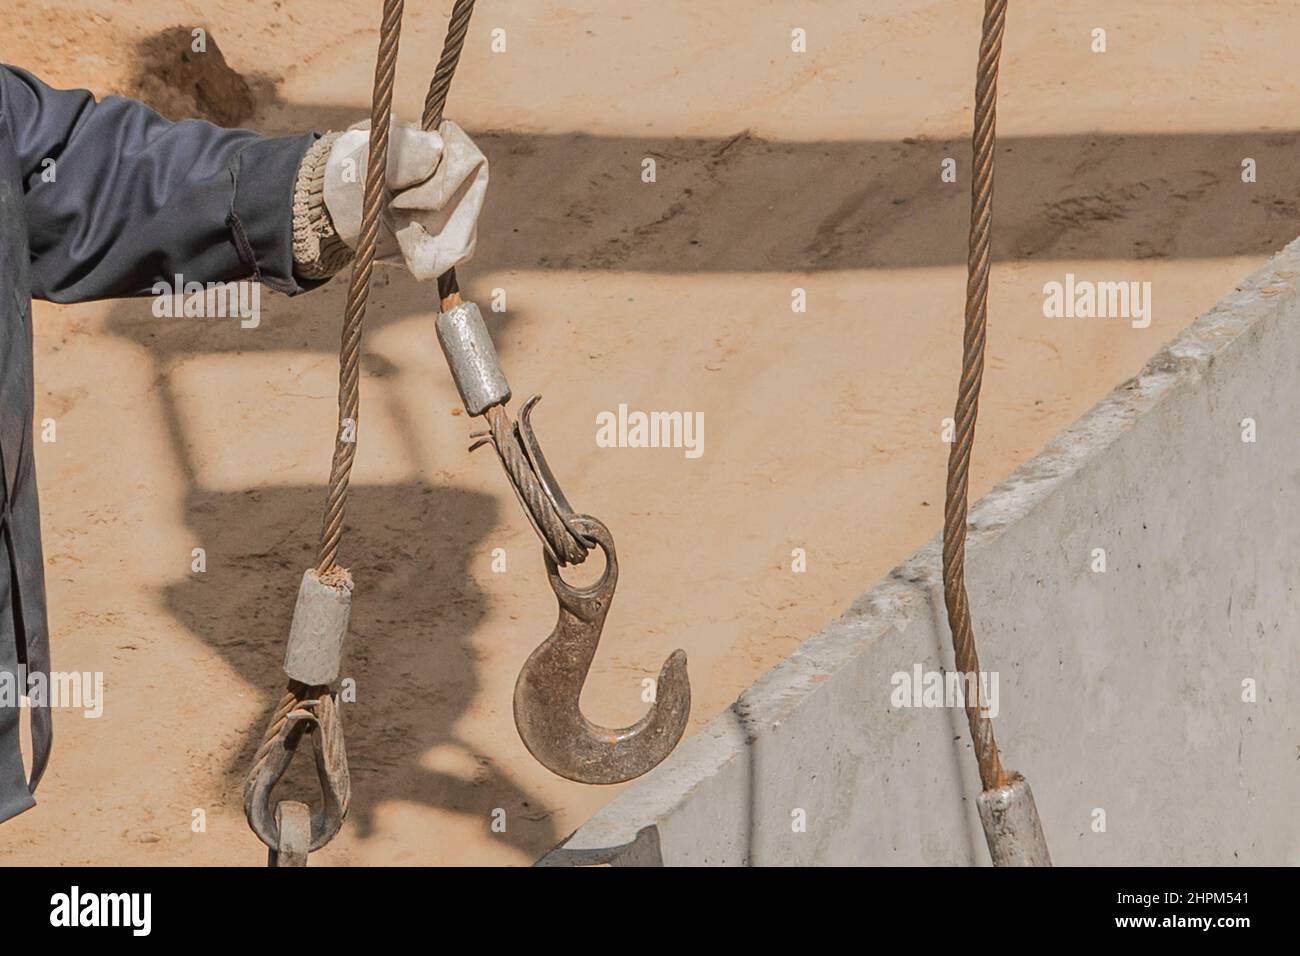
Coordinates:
(624, 829)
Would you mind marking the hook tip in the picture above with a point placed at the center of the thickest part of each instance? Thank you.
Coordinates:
(565, 742)
(673, 673)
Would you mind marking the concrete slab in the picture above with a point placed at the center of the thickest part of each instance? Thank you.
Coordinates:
(1153, 705)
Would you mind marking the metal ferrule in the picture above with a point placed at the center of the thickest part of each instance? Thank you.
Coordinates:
(472, 358)
(320, 623)
(1011, 825)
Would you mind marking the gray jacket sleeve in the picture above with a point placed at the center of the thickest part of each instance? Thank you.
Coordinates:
(118, 198)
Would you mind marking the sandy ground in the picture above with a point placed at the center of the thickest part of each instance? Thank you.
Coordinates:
(776, 171)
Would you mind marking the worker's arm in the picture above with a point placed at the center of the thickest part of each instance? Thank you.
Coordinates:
(118, 198)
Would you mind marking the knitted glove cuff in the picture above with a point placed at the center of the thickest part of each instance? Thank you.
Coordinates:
(318, 252)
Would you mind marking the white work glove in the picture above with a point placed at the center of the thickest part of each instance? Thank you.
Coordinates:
(438, 182)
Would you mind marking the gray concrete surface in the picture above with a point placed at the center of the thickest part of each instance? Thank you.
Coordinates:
(1119, 692)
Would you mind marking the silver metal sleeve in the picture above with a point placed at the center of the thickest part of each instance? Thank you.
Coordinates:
(1011, 826)
(472, 358)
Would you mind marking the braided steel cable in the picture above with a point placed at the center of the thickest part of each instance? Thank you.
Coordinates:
(289, 702)
(350, 345)
(564, 546)
(435, 101)
(457, 28)
(349, 366)
(955, 597)
(345, 440)
(561, 542)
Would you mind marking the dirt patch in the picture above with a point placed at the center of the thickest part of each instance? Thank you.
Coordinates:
(181, 72)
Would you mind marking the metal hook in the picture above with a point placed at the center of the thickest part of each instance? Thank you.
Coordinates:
(546, 695)
(547, 714)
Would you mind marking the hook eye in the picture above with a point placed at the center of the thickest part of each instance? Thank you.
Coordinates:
(586, 600)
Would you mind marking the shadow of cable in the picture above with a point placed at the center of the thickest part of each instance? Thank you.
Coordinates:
(408, 652)
(410, 544)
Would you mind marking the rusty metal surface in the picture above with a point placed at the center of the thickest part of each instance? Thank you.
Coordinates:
(518, 453)
(316, 717)
(541, 470)
(547, 714)
(293, 820)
